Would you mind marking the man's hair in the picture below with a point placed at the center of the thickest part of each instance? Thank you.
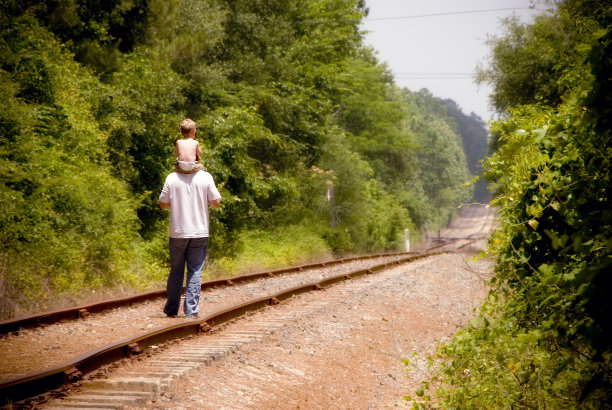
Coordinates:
(187, 126)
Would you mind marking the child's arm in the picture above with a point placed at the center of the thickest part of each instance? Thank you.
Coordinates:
(198, 151)
(176, 148)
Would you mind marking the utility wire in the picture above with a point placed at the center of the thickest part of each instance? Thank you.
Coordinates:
(415, 16)
(432, 76)
(428, 73)
(450, 13)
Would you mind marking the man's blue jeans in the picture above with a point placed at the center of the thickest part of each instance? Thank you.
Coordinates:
(190, 252)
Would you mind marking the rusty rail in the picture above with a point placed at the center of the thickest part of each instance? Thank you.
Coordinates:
(77, 312)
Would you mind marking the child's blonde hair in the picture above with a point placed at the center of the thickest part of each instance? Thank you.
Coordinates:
(187, 126)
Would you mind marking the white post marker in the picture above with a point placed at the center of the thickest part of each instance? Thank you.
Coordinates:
(407, 239)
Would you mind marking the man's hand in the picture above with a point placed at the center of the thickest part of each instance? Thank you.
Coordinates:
(214, 203)
(164, 205)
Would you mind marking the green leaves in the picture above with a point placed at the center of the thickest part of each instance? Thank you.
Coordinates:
(68, 221)
(299, 123)
(547, 344)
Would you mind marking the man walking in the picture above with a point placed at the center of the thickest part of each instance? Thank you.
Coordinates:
(187, 196)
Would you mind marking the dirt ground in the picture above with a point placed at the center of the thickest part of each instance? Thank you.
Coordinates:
(360, 344)
(344, 347)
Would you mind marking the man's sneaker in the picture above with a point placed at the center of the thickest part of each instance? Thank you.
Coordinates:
(191, 316)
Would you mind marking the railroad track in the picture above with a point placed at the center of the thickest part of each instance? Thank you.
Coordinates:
(462, 232)
(38, 386)
(79, 312)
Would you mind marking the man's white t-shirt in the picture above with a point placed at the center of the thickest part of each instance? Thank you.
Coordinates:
(188, 195)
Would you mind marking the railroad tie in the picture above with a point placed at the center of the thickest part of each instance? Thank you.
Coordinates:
(157, 373)
(97, 399)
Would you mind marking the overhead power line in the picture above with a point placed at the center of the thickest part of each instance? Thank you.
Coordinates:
(428, 73)
(432, 76)
(448, 13)
(415, 16)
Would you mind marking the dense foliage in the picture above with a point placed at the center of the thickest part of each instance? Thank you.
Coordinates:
(544, 337)
(475, 144)
(302, 128)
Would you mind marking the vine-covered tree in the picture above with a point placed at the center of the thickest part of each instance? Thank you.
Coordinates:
(544, 339)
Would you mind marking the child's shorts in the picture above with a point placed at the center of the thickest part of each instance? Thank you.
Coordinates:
(185, 167)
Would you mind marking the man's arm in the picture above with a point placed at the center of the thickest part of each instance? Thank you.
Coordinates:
(164, 205)
(214, 203)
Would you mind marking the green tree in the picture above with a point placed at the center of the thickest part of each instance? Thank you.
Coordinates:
(475, 145)
(442, 167)
(65, 217)
(289, 103)
(536, 63)
(252, 187)
(98, 33)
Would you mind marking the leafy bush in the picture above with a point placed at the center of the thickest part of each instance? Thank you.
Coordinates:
(67, 222)
(543, 339)
(267, 249)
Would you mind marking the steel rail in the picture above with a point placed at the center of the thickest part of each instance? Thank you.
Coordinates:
(73, 313)
(36, 384)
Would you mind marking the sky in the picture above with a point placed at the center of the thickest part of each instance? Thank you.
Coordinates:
(440, 52)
